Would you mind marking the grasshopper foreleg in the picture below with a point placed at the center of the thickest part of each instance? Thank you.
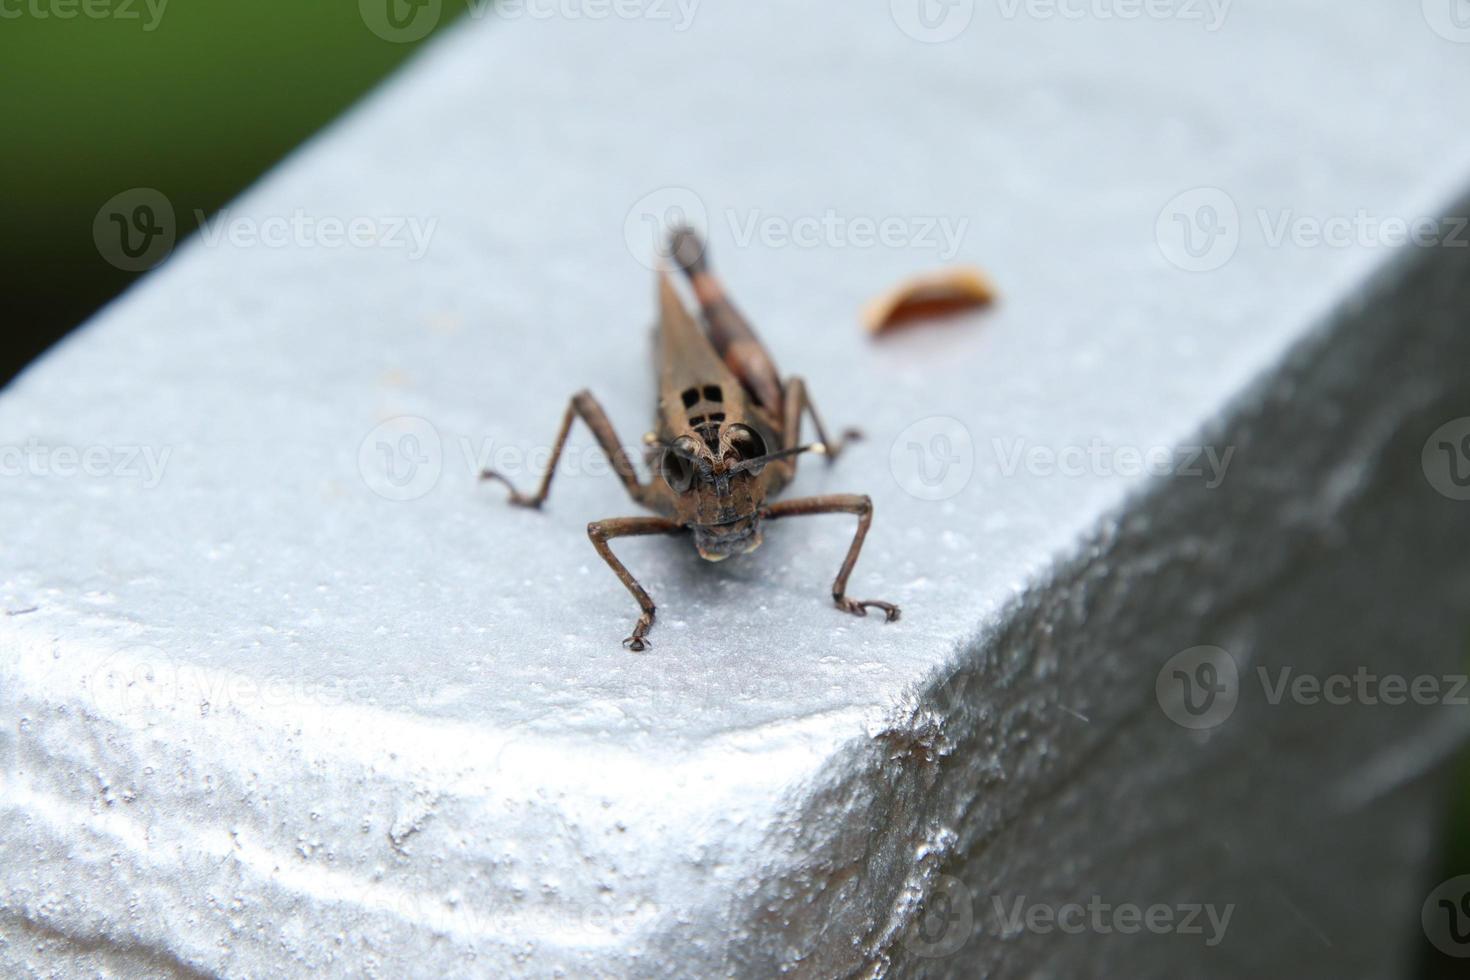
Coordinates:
(839, 503)
(584, 405)
(601, 532)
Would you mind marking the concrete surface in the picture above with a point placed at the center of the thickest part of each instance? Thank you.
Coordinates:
(277, 703)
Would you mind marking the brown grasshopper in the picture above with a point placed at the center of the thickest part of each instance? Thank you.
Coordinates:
(727, 439)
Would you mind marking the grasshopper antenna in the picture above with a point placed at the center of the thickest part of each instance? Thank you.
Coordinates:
(760, 461)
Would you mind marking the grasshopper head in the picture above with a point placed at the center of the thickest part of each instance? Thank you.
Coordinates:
(718, 489)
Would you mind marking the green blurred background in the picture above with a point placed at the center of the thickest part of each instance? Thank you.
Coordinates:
(197, 101)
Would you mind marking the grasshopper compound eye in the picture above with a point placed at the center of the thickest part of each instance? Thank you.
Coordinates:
(677, 465)
(745, 445)
(677, 471)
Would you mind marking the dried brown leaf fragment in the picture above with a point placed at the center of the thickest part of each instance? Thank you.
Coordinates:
(932, 294)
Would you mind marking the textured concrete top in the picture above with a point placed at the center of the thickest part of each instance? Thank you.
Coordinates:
(413, 625)
(260, 371)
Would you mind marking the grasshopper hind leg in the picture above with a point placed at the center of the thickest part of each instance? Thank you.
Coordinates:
(795, 402)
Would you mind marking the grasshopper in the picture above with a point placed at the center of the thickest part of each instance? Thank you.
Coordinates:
(727, 439)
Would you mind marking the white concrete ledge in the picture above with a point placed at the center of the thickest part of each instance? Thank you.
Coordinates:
(265, 711)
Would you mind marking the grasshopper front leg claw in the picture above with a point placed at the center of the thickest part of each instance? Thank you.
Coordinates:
(601, 532)
(516, 498)
(860, 607)
(639, 641)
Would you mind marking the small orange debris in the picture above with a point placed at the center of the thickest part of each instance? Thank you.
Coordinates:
(932, 294)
